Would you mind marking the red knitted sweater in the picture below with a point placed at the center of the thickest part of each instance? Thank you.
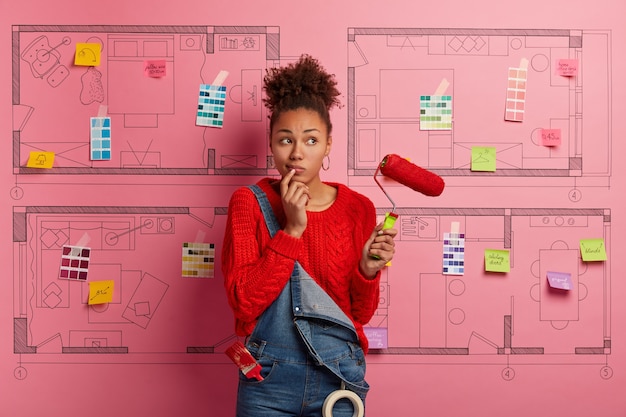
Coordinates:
(257, 267)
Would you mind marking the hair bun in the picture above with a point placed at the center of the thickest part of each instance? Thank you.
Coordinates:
(300, 84)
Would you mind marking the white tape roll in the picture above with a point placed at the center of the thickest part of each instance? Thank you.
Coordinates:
(333, 397)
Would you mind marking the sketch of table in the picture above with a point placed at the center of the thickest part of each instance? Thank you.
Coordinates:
(558, 305)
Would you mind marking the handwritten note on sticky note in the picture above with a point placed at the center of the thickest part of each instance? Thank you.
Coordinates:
(567, 67)
(377, 337)
(497, 260)
(550, 137)
(560, 280)
(37, 159)
(87, 54)
(154, 68)
(483, 158)
(100, 292)
(592, 250)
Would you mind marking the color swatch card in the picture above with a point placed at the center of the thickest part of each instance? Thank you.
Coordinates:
(75, 262)
(516, 92)
(435, 112)
(100, 139)
(198, 260)
(211, 102)
(453, 253)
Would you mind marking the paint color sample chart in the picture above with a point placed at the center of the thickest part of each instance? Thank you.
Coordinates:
(100, 138)
(75, 263)
(211, 105)
(453, 253)
(516, 94)
(435, 112)
(198, 260)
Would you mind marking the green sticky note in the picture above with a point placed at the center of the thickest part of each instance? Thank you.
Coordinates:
(483, 158)
(592, 250)
(497, 260)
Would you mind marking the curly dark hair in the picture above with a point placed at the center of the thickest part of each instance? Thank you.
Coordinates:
(303, 84)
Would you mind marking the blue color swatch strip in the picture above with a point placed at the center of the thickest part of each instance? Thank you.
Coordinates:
(211, 102)
(100, 139)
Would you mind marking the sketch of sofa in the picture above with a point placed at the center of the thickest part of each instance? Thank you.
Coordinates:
(145, 300)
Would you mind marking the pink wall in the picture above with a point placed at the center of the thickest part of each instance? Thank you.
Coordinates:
(448, 345)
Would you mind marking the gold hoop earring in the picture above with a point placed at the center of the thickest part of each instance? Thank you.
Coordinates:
(327, 167)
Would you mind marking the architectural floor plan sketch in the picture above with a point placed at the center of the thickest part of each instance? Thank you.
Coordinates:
(525, 321)
(391, 72)
(153, 119)
(390, 69)
(51, 315)
(154, 133)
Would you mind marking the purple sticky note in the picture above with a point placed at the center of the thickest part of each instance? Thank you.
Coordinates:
(377, 337)
(560, 280)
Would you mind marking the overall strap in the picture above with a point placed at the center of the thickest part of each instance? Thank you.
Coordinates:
(266, 208)
(308, 298)
(295, 314)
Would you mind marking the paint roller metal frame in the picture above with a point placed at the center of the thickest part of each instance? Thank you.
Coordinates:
(391, 217)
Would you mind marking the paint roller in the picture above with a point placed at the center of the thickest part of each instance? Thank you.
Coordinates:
(410, 175)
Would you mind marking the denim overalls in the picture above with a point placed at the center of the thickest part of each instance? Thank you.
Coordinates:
(306, 345)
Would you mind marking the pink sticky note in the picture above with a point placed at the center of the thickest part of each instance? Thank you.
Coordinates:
(154, 68)
(550, 137)
(560, 280)
(567, 67)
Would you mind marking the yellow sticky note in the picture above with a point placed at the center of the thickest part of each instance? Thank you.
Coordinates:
(497, 260)
(592, 250)
(38, 159)
(87, 54)
(100, 292)
(483, 158)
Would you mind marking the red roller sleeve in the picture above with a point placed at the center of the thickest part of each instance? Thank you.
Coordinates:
(411, 175)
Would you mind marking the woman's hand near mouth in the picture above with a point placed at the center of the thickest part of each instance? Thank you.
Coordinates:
(295, 196)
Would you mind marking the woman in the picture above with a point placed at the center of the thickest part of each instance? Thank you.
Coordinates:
(322, 228)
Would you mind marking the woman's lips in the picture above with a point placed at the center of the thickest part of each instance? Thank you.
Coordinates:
(298, 169)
